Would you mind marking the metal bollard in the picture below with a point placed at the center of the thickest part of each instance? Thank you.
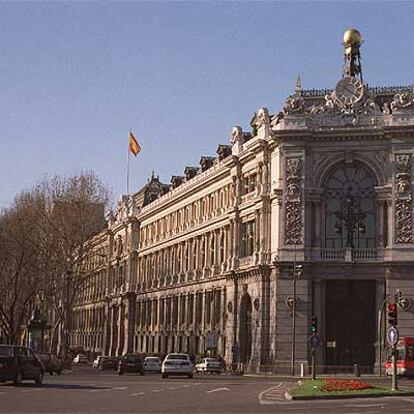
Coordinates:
(357, 372)
(302, 370)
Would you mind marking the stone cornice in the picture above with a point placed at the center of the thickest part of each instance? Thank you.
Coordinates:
(333, 136)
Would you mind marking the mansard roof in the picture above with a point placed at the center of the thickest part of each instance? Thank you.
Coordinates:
(150, 192)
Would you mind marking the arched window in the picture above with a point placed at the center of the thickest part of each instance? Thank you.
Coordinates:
(350, 207)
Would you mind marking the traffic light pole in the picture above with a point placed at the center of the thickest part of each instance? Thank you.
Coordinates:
(394, 383)
(380, 326)
(294, 321)
(313, 363)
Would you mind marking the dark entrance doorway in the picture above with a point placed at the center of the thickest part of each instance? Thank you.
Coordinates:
(350, 323)
(245, 328)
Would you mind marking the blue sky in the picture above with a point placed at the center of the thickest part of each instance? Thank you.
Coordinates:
(76, 76)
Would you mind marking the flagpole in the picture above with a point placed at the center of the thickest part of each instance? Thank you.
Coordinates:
(127, 177)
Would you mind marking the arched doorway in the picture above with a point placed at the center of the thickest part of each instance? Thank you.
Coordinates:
(245, 328)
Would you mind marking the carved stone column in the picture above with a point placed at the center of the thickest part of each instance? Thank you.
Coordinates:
(381, 212)
(258, 228)
(230, 243)
(236, 242)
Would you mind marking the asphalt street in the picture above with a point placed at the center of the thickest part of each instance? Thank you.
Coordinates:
(86, 390)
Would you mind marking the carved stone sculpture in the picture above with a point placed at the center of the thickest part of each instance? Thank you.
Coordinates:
(293, 212)
(262, 118)
(294, 105)
(237, 135)
(402, 101)
(404, 200)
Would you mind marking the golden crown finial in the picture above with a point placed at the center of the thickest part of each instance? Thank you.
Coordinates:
(352, 37)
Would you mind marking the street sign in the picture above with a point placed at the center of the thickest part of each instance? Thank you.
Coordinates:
(392, 335)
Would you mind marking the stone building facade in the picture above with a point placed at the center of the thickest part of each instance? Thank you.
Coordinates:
(210, 261)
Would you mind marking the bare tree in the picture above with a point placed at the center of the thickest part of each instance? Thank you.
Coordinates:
(44, 250)
(74, 213)
(20, 279)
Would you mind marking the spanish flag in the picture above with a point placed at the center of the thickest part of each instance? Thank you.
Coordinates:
(133, 144)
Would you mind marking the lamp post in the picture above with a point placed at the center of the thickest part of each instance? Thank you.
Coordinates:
(297, 272)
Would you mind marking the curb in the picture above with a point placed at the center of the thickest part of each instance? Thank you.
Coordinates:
(290, 397)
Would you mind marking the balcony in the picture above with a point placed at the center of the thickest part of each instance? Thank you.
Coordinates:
(246, 261)
(347, 255)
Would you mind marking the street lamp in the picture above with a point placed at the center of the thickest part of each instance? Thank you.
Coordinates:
(297, 272)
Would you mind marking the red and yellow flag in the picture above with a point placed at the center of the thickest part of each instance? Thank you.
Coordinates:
(133, 144)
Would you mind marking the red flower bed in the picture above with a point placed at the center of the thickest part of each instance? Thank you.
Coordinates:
(333, 384)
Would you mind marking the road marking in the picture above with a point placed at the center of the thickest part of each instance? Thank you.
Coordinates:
(411, 400)
(363, 405)
(264, 401)
(119, 388)
(156, 390)
(136, 393)
(217, 389)
(101, 389)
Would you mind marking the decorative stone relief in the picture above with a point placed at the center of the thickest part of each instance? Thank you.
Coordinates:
(403, 199)
(294, 105)
(402, 102)
(293, 216)
(332, 112)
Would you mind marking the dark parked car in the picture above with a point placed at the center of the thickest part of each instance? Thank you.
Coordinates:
(18, 363)
(108, 362)
(131, 363)
(51, 362)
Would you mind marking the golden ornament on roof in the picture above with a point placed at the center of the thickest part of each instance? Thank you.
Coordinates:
(352, 37)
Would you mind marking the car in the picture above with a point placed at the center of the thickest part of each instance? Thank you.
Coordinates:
(80, 359)
(96, 361)
(52, 364)
(18, 363)
(108, 362)
(131, 363)
(209, 365)
(177, 364)
(152, 364)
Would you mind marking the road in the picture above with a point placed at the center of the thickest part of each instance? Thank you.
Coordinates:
(86, 390)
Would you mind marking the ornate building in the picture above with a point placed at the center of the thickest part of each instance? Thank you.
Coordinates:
(210, 261)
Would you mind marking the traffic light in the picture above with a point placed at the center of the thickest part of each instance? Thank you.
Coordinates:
(314, 324)
(392, 314)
